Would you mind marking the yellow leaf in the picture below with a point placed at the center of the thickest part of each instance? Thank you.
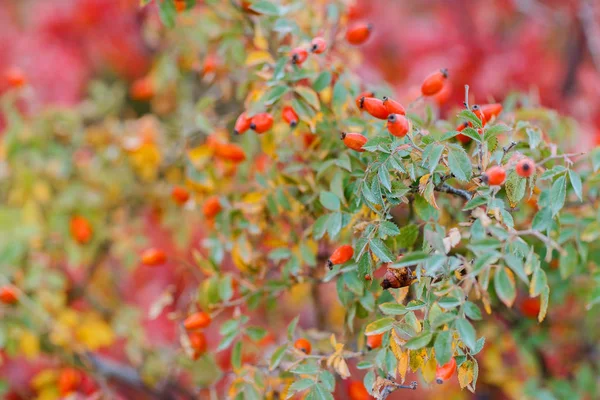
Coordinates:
(259, 39)
(326, 95)
(333, 341)
(416, 360)
(423, 182)
(342, 368)
(49, 393)
(45, 377)
(403, 365)
(428, 370)
(241, 254)
(395, 347)
(94, 332)
(29, 344)
(258, 57)
(465, 373)
(544, 297)
(401, 294)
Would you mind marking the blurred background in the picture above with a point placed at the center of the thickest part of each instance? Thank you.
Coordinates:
(549, 49)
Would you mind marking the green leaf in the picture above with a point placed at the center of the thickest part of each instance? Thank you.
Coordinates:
(384, 177)
(380, 326)
(320, 226)
(534, 136)
(515, 263)
(167, 12)
(393, 309)
(576, 183)
(309, 96)
(328, 380)
(515, 187)
(443, 347)
(339, 94)
(435, 152)
(265, 8)
(542, 219)
(418, 342)
(449, 302)
(364, 265)
(472, 133)
(472, 311)
(301, 385)
(236, 356)
(475, 202)
(460, 164)
(467, 333)
(322, 81)
(308, 367)
(495, 130)
(330, 201)
(557, 194)
(595, 156)
(505, 286)
(388, 228)
(275, 94)
(410, 259)
(292, 327)
(407, 236)
(380, 250)
(470, 117)
(568, 261)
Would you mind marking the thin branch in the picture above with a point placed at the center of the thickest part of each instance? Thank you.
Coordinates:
(547, 241)
(388, 386)
(457, 192)
(508, 148)
(565, 156)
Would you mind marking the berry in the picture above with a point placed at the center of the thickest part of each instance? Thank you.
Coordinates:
(446, 371)
(81, 230)
(368, 277)
(357, 391)
(464, 139)
(318, 45)
(303, 345)
(531, 307)
(525, 167)
(8, 294)
(341, 255)
(211, 63)
(491, 110)
(443, 95)
(153, 257)
(358, 34)
(495, 176)
(434, 82)
(230, 152)
(393, 107)
(180, 5)
(15, 78)
(375, 107)
(211, 207)
(290, 116)
(398, 125)
(197, 320)
(355, 141)
(198, 342)
(361, 97)
(242, 124)
(142, 89)
(374, 341)
(477, 111)
(299, 55)
(261, 123)
(68, 381)
(180, 195)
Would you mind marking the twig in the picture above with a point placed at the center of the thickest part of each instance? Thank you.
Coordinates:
(389, 386)
(457, 192)
(508, 148)
(565, 156)
(547, 241)
(466, 102)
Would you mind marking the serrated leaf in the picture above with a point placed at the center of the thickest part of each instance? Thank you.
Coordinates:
(472, 133)
(568, 261)
(470, 117)
(388, 228)
(460, 164)
(419, 342)
(380, 326)
(275, 94)
(300, 385)
(309, 96)
(443, 347)
(542, 219)
(465, 373)
(434, 154)
(495, 130)
(322, 81)
(410, 259)
(381, 250)
(576, 183)
(515, 187)
(407, 236)
(475, 202)
(558, 194)
(393, 309)
(329, 200)
(467, 333)
(384, 177)
(504, 283)
(472, 311)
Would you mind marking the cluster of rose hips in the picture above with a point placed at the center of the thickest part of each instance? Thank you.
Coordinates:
(193, 324)
(299, 54)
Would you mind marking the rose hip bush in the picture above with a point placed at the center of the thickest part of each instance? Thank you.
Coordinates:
(250, 220)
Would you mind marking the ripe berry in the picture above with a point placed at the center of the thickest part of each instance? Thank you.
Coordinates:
(495, 176)
(318, 45)
(361, 97)
(180, 195)
(525, 167)
(290, 116)
(261, 123)
(211, 63)
(198, 342)
(374, 341)
(198, 320)
(15, 77)
(355, 141)
(180, 5)
(531, 307)
(358, 34)
(460, 137)
(375, 107)
(368, 277)
(477, 111)
(299, 55)
(8, 294)
(434, 82)
(242, 124)
(142, 89)
(357, 391)
(229, 152)
(303, 345)
(396, 278)
(398, 125)
(443, 95)
(153, 257)
(341, 255)
(393, 107)
(68, 381)
(446, 371)
(491, 110)
(211, 207)
(81, 229)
